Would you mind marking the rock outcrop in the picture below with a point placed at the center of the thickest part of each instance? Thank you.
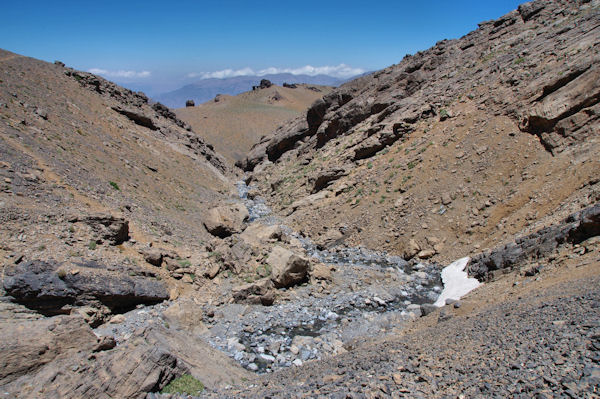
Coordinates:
(114, 230)
(575, 229)
(27, 345)
(52, 288)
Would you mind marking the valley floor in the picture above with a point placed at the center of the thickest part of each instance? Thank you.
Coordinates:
(519, 336)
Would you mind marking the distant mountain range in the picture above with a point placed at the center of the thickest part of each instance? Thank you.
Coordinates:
(206, 89)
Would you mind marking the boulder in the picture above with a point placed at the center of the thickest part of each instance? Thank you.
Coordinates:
(322, 271)
(257, 234)
(257, 292)
(152, 256)
(128, 371)
(114, 230)
(223, 221)
(48, 287)
(288, 268)
(411, 249)
(190, 103)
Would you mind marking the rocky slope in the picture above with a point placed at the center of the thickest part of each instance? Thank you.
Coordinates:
(130, 260)
(234, 123)
(456, 148)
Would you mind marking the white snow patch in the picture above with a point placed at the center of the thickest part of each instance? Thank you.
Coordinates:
(456, 282)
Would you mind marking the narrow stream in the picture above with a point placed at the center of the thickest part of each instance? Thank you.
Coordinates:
(374, 293)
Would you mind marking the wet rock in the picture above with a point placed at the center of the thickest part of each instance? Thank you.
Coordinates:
(223, 221)
(48, 287)
(288, 268)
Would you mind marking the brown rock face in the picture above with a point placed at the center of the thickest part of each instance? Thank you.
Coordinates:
(258, 292)
(28, 345)
(567, 110)
(223, 221)
(288, 268)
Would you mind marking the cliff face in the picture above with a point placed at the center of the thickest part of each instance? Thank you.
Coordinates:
(471, 141)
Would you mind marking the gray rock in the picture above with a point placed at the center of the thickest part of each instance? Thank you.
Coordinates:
(427, 308)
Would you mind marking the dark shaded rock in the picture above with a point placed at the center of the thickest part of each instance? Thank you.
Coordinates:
(264, 84)
(290, 85)
(59, 63)
(190, 103)
(574, 229)
(324, 177)
(48, 287)
(427, 308)
(530, 9)
(137, 117)
(152, 256)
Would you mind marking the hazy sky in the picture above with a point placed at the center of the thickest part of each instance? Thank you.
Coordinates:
(155, 41)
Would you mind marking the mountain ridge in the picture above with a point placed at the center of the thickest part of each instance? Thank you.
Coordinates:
(206, 89)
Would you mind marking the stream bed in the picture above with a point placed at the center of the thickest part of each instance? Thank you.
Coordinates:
(372, 294)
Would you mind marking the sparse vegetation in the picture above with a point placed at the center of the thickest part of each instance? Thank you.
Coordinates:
(92, 245)
(114, 185)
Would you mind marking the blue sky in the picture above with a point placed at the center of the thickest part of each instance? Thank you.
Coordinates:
(161, 43)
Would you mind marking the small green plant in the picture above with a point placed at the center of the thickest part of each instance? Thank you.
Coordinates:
(61, 273)
(92, 245)
(519, 60)
(184, 262)
(264, 270)
(369, 165)
(41, 247)
(411, 164)
(114, 185)
(71, 229)
(443, 113)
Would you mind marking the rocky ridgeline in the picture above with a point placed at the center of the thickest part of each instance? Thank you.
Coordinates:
(135, 106)
(561, 107)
